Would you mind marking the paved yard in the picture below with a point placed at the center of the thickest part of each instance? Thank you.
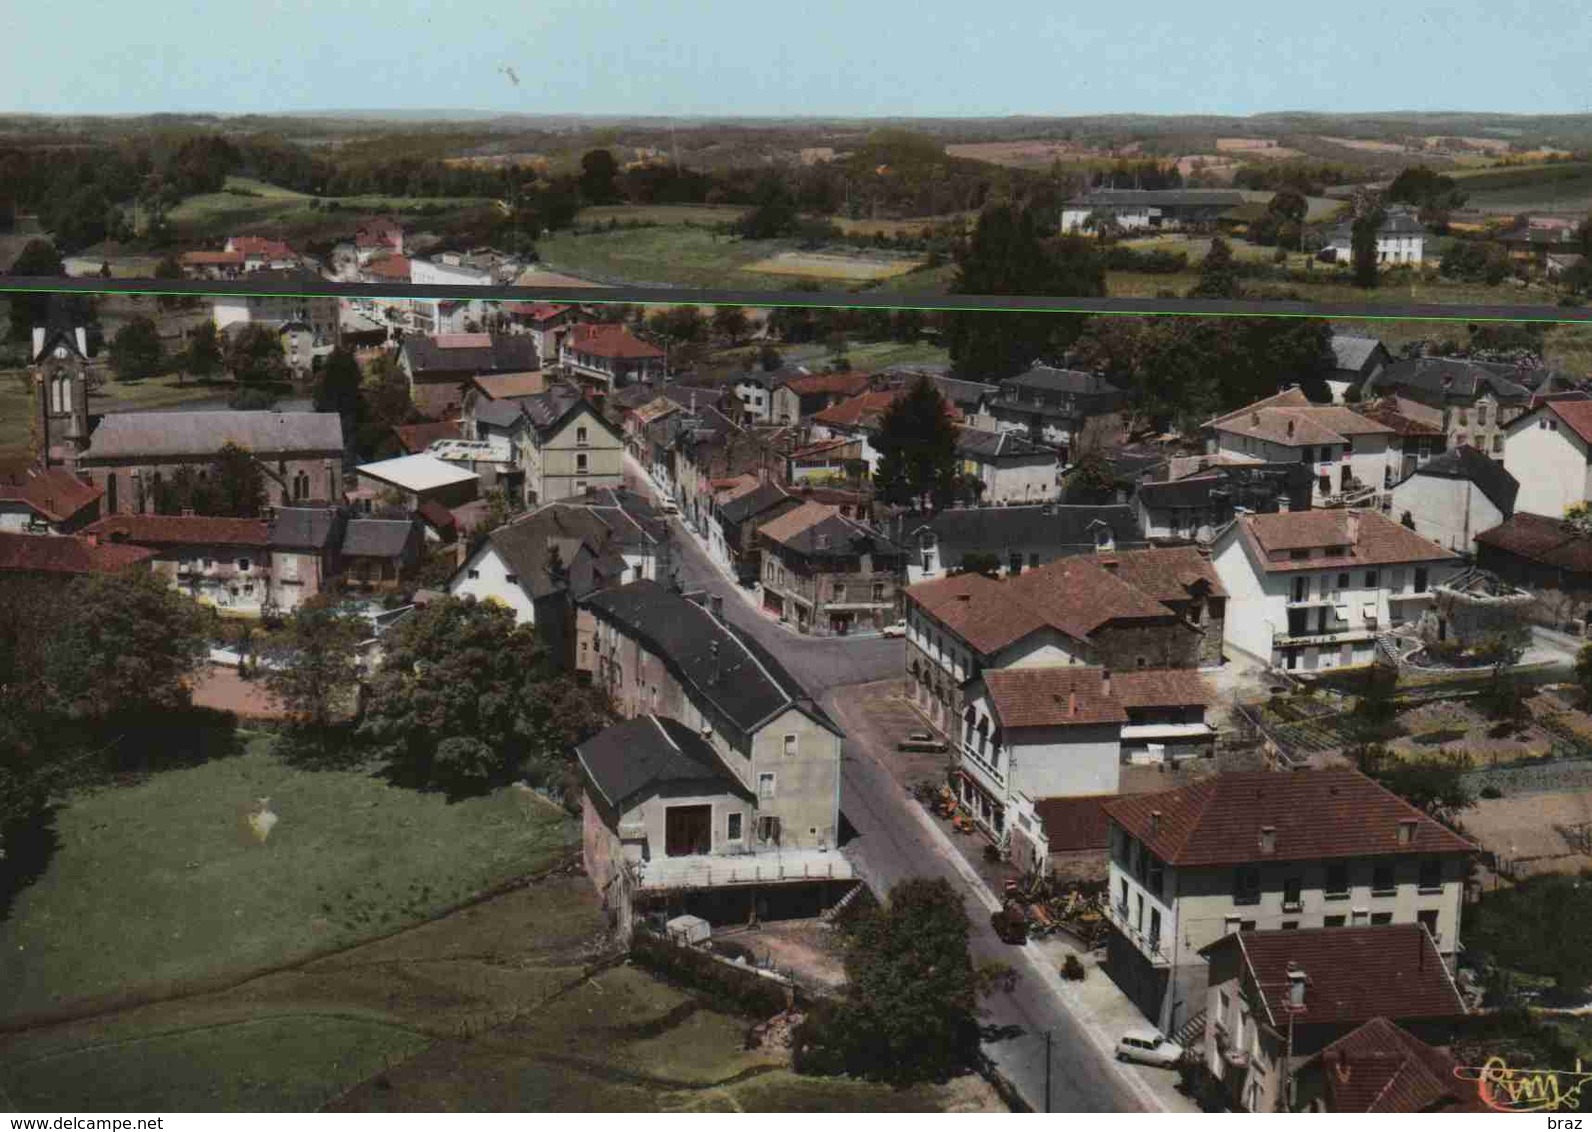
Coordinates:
(1530, 829)
(219, 687)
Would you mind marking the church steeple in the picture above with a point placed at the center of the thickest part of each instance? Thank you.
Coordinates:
(60, 365)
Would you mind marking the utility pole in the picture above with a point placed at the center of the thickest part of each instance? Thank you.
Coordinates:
(1047, 1070)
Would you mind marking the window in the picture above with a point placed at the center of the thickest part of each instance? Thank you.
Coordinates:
(472, 574)
(1481, 416)
(732, 826)
(243, 564)
(1155, 929)
(512, 579)
(1498, 442)
(1337, 881)
(1333, 921)
(1431, 876)
(1246, 886)
(1291, 893)
(840, 591)
(580, 462)
(1289, 925)
(878, 591)
(1428, 920)
(1370, 579)
(1138, 921)
(1122, 895)
(1381, 917)
(1420, 579)
(1246, 925)
(1382, 880)
(790, 744)
(1343, 581)
(765, 785)
(1298, 555)
(1033, 561)
(580, 439)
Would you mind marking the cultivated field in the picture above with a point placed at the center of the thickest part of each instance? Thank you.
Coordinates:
(824, 265)
(1557, 187)
(266, 209)
(1255, 147)
(165, 883)
(708, 214)
(1024, 154)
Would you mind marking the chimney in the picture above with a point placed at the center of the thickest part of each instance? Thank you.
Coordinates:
(1283, 504)
(713, 652)
(1072, 703)
(1290, 428)
(716, 604)
(187, 512)
(1268, 839)
(1105, 682)
(1354, 528)
(1155, 822)
(1406, 831)
(1296, 985)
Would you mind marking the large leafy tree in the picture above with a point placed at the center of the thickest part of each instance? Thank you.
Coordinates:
(233, 485)
(1362, 243)
(910, 1011)
(337, 387)
(1435, 194)
(315, 670)
(255, 356)
(598, 171)
(466, 699)
(917, 449)
(202, 357)
(1536, 927)
(1007, 256)
(136, 351)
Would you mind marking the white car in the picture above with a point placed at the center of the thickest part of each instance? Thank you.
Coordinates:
(668, 506)
(898, 629)
(1149, 1047)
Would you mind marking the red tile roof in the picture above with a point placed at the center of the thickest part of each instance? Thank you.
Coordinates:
(390, 267)
(1052, 697)
(418, 437)
(1552, 542)
(1382, 1067)
(847, 383)
(1577, 414)
(438, 516)
(610, 340)
(1075, 696)
(1352, 974)
(182, 530)
(1315, 815)
(220, 259)
(1075, 825)
(537, 312)
(1167, 574)
(462, 341)
(865, 409)
(500, 385)
(66, 554)
(1371, 539)
(54, 493)
(1074, 596)
(796, 521)
(259, 245)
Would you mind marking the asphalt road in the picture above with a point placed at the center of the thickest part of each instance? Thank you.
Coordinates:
(892, 845)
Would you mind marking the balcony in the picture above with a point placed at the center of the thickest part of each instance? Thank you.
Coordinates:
(1149, 945)
(1335, 633)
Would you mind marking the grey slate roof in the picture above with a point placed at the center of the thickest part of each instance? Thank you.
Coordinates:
(1467, 379)
(838, 536)
(1396, 221)
(377, 538)
(1054, 380)
(1204, 488)
(547, 410)
(754, 502)
(1468, 463)
(995, 445)
(652, 753)
(1351, 351)
(965, 394)
(603, 521)
(1058, 528)
(508, 353)
(305, 528)
(1224, 198)
(501, 413)
(130, 435)
(728, 675)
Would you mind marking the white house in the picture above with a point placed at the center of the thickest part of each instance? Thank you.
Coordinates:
(1456, 496)
(1400, 239)
(1136, 210)
(1030, 734)
(1549, 451)
(1349, 454)
(1267, 851)
(1315, 589)
(1012, 468)
(446, 316)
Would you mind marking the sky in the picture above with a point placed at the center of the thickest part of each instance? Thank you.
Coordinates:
(823, 58)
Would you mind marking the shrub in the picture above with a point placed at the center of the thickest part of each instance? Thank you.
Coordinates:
(1490, 792)
(1073, 969)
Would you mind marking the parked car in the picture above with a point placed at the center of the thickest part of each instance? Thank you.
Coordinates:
(897, 629)
(922, 741)
(1149, 1047)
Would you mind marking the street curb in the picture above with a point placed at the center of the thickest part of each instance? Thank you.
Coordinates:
(1053, 980)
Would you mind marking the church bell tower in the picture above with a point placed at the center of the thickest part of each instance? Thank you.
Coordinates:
(60, 366)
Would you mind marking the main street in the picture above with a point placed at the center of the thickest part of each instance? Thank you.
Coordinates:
(894, 843)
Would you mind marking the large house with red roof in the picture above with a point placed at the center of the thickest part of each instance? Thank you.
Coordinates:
(1381, 1067)
(1266, 852)
(49, 556)
(1549, 450)
(1350, 454)
(46, 500)
(260, 253)
(547, 323)
(608, 355)
(800, 396)
(1031, 735)
(1279, 998)
(380, 235)
(1310, 590)
(1080, 610)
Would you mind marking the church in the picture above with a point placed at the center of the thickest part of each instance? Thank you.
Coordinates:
(128, 455)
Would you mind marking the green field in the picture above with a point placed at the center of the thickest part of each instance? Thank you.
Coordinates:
(667, 214)
(1557, 187)
(160, 884)
(282, 212)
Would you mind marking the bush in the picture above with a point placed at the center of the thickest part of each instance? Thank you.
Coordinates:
(734, 989)
(1490, 792)
(1073, 969)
